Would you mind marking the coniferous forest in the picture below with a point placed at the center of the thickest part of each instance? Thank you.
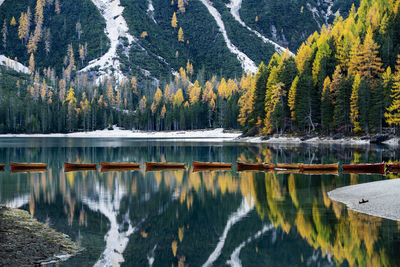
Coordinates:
(343, 79)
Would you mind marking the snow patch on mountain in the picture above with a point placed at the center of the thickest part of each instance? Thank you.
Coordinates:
(248, 65)
(323, 12)
(12, 64)
(116, 28)
(150, 11)
(235, 6)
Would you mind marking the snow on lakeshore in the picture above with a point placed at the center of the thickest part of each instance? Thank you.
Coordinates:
(215, 134)
(382, 196)
(235, 6)
(9, 63)
(248, 65)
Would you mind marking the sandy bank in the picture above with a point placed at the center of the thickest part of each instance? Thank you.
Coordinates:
(25, 242)
(383, 198)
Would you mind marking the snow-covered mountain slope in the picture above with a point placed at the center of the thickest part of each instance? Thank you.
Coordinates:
(116, 28)
(247, 64)
(235, 6)
(12, 64)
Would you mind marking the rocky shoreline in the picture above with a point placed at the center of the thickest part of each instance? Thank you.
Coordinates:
(25, 241)
(323, 140)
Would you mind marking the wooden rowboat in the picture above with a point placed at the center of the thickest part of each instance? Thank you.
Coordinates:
(119, 165)
(1, 167)
(378, 168)
(199, 165)
(319, 167)
(79, 166)
(28, 166)
(155, 166)
(288, 166)
(242, 166)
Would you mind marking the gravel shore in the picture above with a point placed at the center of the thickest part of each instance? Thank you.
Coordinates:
(383, 198)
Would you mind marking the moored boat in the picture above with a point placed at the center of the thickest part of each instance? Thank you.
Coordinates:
(1, 167)
(164, 165)
(288, 166)
(378, 168)
(28, 166)
(319, 167)
(119, 165)
(198, 165)
(243, 166)
(79, 166)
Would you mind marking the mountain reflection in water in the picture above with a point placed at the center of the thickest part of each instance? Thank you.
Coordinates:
(213, 218)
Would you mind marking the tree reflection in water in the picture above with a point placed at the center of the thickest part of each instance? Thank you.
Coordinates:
(186, 217)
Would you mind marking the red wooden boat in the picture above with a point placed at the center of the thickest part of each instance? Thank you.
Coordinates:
(119, 165)
(242, 166)
(1, 167)
(79, 165)
(28, 166)
(319, 167)
(378, 168)
(199, 165)
(150, 166)
(288, 166)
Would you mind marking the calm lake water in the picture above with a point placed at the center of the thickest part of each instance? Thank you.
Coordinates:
(191, 218)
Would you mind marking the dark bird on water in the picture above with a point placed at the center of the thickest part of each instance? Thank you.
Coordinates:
(363, 201)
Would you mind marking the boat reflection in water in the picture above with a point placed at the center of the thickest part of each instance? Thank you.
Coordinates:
(209, 217)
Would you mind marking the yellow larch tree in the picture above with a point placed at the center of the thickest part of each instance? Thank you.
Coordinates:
(194, 92)
(32, 63)
(13, 21)
(174, 21)
(181, 37)
(354, 105)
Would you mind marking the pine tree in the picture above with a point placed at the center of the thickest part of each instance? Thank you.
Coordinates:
(292, 97)
(4, 34)
(23, 28)
(174, 21)
(32, 63)
(181, 38)
(47, 42)
(393, 112)
(326, 106)
(261, 78)
(354, 105)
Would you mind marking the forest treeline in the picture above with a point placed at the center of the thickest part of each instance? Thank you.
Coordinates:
(345, 79)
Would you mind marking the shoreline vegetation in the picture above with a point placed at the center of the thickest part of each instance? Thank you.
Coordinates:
(25, 241)
(221, 135)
